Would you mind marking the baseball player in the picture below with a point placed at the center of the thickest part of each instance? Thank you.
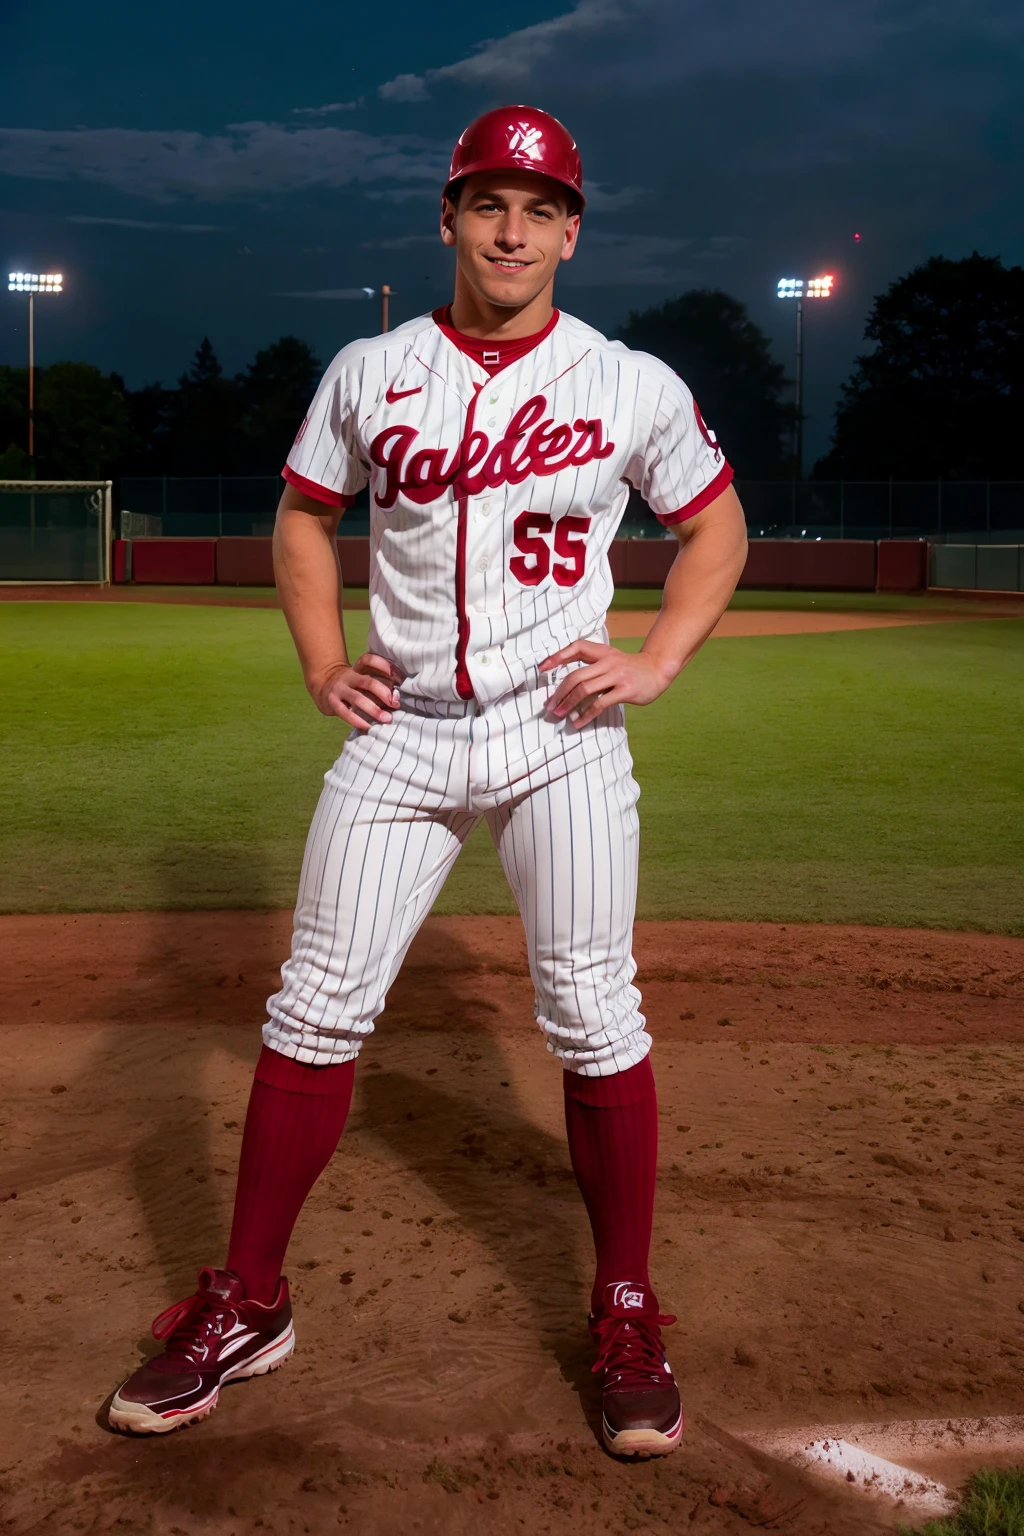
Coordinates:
(499, 438)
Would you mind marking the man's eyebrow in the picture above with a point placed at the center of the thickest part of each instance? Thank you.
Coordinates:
(537, 201)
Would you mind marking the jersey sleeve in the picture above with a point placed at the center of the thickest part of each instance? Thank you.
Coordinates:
(325, 462)
(680, 468)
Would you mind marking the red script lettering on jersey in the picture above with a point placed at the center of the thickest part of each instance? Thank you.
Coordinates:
(531, 445)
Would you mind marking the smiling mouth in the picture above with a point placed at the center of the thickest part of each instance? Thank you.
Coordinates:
(507, 265)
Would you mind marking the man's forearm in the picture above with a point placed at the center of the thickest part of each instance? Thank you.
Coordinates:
(698, 587)
(308, 575)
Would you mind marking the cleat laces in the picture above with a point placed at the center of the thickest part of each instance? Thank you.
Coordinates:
(190, 1326)
(630, 1351)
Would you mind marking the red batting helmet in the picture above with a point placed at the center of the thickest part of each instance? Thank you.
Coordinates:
(519, 139)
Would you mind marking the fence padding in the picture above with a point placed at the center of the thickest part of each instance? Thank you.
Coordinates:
(902, 565)
(999, 568)
(354, 554)
(175, 562)
(844, 565)
(648, 561)
(245, 562)
(769, 563)
(953, 565)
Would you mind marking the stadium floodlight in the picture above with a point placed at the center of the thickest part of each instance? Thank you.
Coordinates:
(385, 292)
(33, 283)
(799, 288)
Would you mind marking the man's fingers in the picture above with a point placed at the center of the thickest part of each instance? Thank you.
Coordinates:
(597, 706)
(377, 688)
(580, 685)
(370, 662)
(580, 650)
(353, 697)
(348, 714)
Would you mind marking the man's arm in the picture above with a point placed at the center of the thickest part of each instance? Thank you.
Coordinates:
(703, 577)
(308, 575)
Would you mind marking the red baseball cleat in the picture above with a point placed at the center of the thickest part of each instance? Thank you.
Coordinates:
(642, 1413)
(217, 1335)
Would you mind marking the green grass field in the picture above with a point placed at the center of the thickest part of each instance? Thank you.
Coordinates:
(634, 598)
(993, 1505)
(158, 756)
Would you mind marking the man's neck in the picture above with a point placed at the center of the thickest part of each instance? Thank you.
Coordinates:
(474, 316)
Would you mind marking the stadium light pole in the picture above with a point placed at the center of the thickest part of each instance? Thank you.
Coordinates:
(33, 283)
(799, 288)
(385, 292)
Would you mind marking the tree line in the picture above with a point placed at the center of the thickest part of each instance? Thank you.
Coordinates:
(937, 397)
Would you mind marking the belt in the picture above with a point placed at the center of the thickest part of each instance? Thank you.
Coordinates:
(440, 709)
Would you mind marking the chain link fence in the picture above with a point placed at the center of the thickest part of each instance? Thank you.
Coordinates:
(947, 511)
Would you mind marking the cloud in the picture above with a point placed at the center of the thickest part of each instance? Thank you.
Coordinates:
(329, 293)
(507, 61)
(613, 261)
(247, 160)
(403, 242)
(328, 108)
(600, 200)
(629, 45)
(182, 229)
(404, 88)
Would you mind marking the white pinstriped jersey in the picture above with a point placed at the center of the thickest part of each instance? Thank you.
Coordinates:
(494, 500)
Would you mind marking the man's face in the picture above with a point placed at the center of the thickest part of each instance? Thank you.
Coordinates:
(510, 230)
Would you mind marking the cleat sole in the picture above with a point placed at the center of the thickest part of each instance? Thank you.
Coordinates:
(138, 1419)
(642, 1443)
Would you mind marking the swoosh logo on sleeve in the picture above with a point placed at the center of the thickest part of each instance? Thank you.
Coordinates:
(391, 394)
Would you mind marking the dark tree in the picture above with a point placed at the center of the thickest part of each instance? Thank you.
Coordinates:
(13, 423)
(83, 426)
(709, 339)
(275, 391)
(151, 409)
(204, 433)
(941, 395)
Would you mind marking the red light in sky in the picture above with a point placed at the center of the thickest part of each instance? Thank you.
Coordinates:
(856, 237)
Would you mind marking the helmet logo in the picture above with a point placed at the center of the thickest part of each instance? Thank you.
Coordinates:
(526, 141)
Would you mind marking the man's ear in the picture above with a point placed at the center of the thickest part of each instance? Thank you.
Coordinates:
(572, 230)
(448, 211)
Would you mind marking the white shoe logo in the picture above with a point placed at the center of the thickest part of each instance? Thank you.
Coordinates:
(622, 1296)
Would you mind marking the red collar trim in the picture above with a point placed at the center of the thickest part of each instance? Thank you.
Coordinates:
(491, 355)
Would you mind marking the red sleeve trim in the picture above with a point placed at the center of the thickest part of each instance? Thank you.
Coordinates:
(703, 499)
(318, 492)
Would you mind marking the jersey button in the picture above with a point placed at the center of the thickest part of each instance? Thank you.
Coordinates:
(483, 563)
(485, 659)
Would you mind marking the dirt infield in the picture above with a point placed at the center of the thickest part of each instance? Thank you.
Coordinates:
(753, 621)
(840, 1222)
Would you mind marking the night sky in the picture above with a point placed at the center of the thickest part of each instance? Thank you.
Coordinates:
(241, 170)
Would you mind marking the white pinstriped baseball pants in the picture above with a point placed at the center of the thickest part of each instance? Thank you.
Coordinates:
(395, 811)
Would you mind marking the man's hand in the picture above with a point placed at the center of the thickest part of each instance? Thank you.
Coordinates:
(611, 677)
(361, 693)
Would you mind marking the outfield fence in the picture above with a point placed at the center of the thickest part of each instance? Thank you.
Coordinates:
(981, 511)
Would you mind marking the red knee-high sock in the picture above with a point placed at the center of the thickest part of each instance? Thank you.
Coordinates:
(294, 1122)
(612, 1123)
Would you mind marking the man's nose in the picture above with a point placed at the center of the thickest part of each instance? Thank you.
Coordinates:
(512, 232)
